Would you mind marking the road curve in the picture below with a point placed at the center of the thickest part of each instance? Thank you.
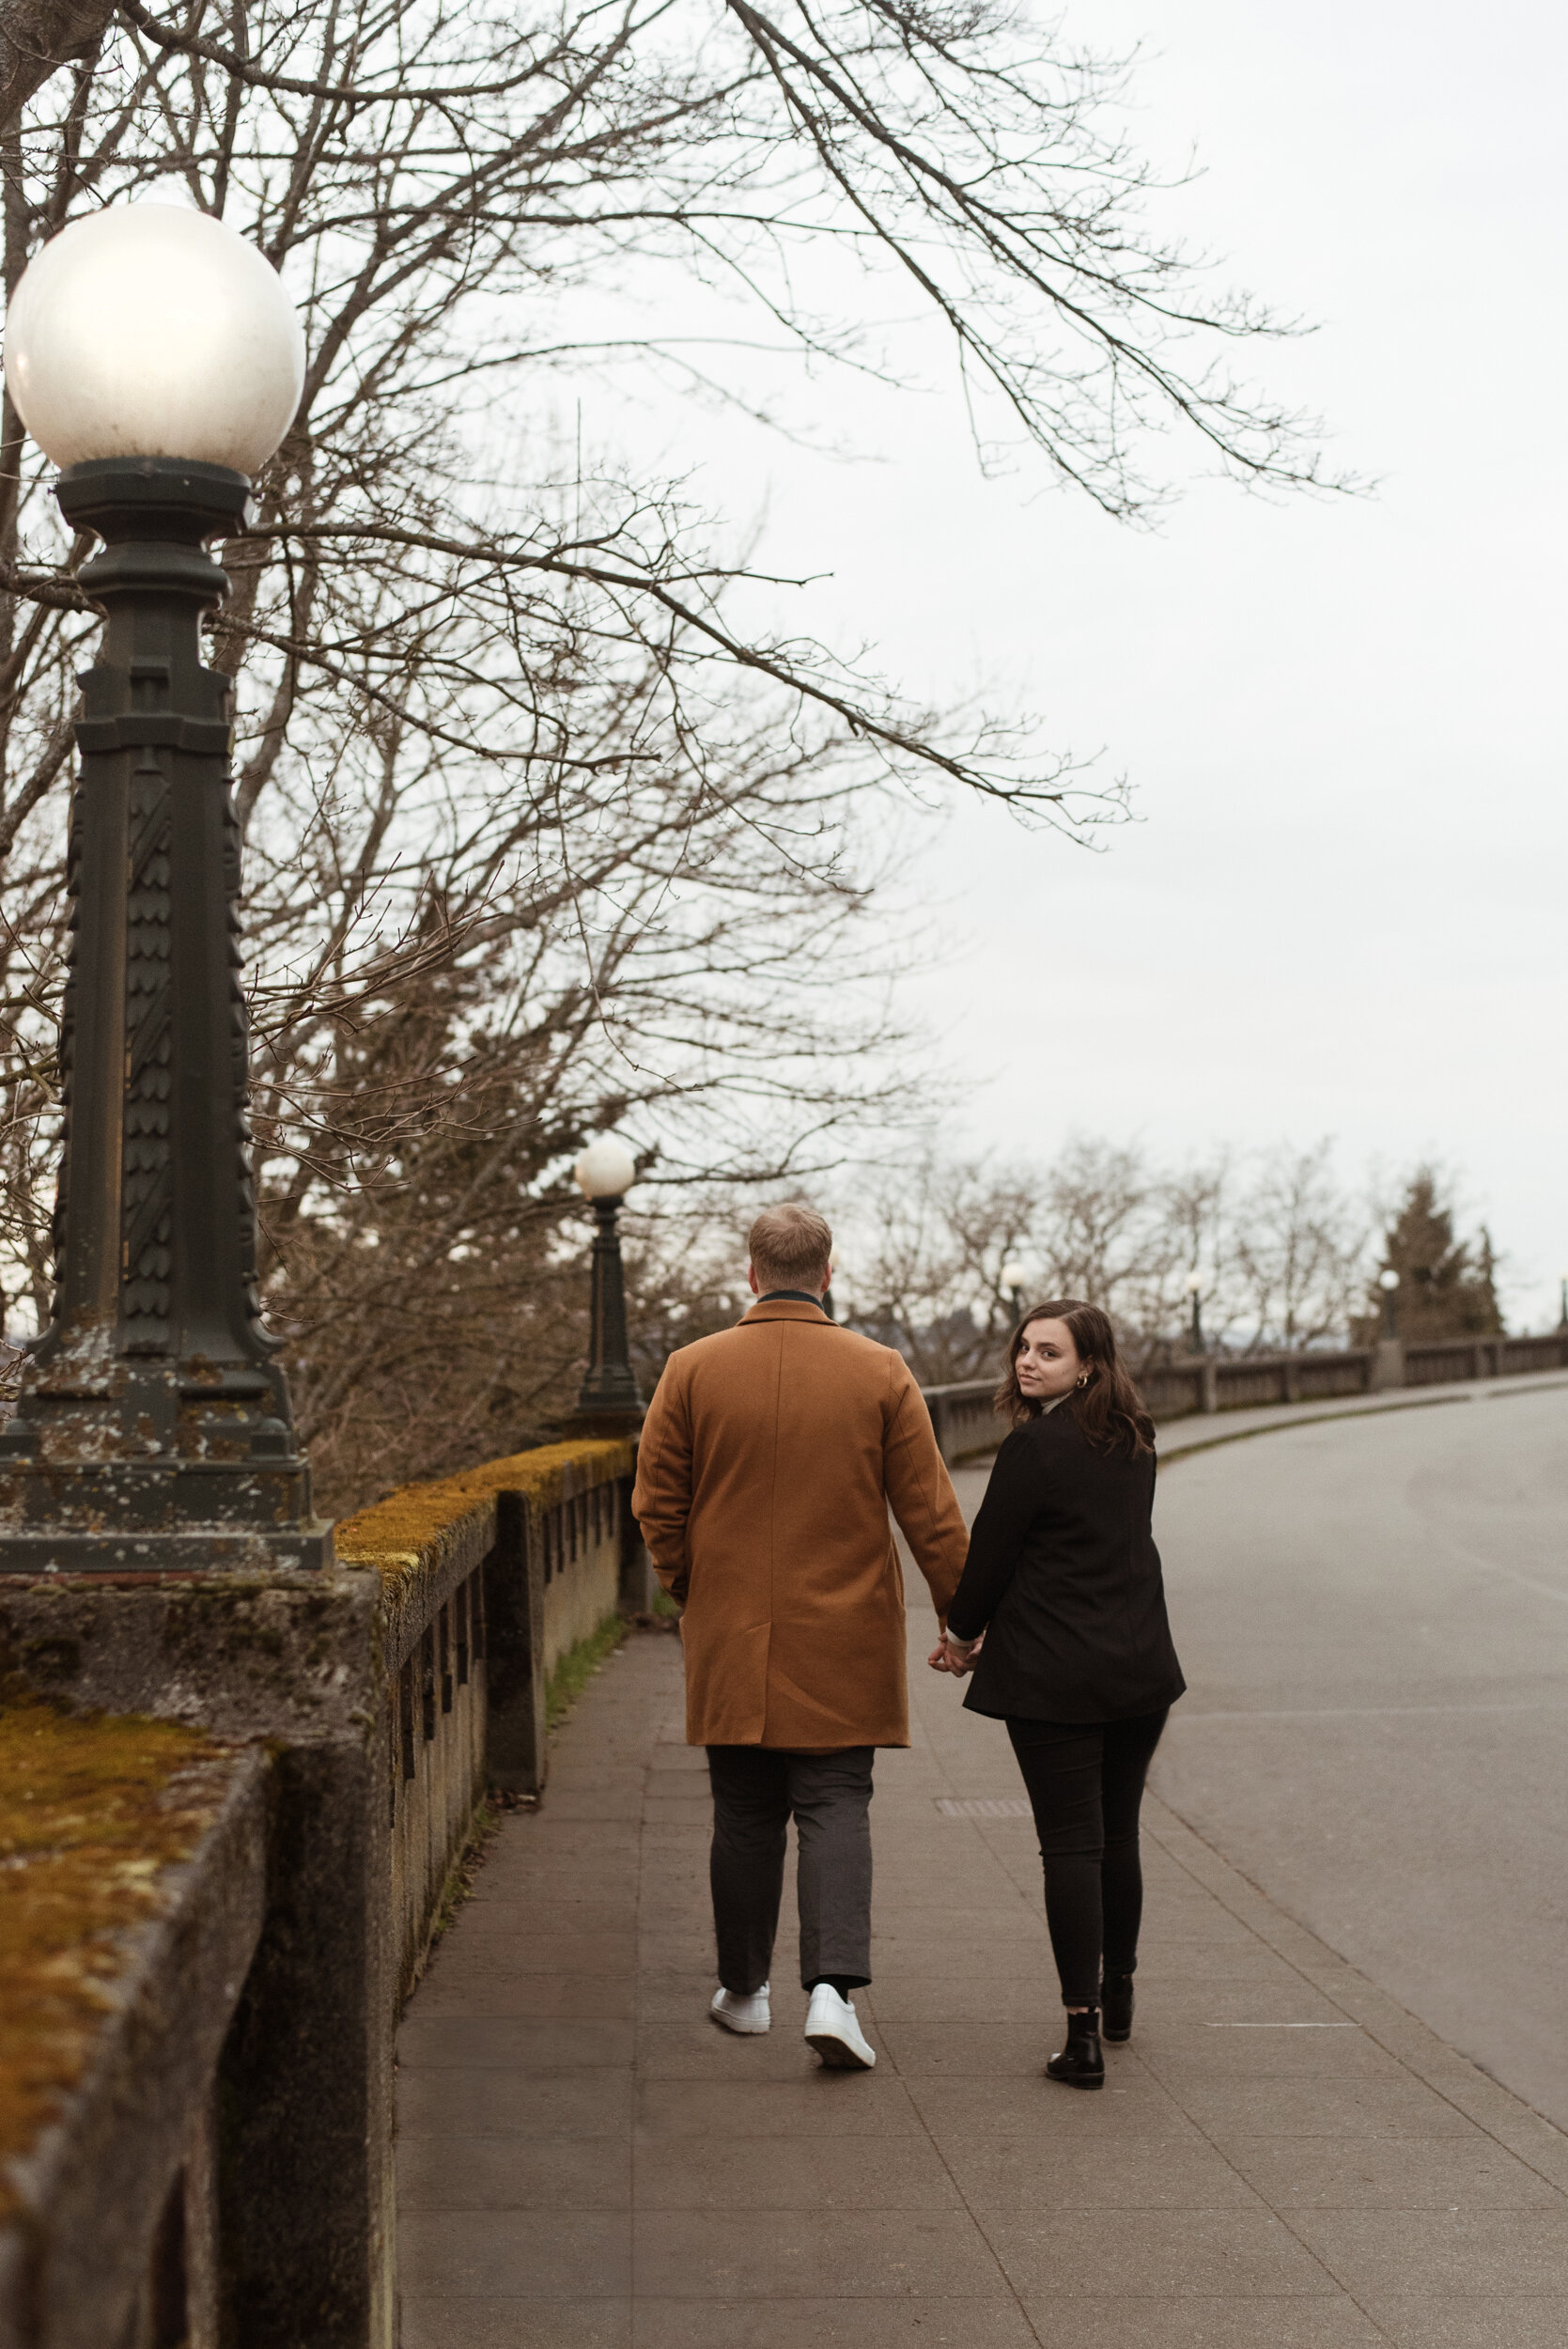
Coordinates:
(1373, 1616)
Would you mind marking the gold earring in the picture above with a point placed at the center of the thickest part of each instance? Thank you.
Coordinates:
(1084, 1380)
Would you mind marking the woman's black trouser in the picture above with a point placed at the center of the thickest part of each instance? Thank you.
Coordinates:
(1085, 1784)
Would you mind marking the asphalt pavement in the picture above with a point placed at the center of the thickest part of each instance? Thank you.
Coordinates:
(1373, 1616)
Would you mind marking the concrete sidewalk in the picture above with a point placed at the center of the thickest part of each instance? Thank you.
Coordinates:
(1281, 2158)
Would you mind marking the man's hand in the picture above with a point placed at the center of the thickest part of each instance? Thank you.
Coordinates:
(957, 1656)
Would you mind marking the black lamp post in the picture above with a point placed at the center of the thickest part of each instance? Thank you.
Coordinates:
(152, 1430)
(1387, 1281)
(608, 1396)
(1195, 1333)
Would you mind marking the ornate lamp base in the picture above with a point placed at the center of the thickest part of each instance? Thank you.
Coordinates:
(35, 1552)
(590, 1419)
(155, 1477)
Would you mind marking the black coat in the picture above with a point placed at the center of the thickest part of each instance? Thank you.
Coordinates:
(1063, 1579)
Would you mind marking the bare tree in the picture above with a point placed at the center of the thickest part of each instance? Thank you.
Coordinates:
(539, 836)
(37, 38)
(686, 1274)
(924, 1258)
(1280, 1247)
(1298, 1247)
(1106, 1235)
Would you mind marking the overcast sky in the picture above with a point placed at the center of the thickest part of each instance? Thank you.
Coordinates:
(1340, 911)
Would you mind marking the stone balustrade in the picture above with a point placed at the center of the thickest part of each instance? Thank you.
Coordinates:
(489, 1578)
(967, 1430)
(135, 1871)
(199, 2151)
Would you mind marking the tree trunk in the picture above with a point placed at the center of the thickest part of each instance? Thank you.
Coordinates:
(35, 37)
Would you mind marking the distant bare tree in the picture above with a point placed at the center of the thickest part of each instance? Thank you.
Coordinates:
(1278, 1245)
(929, 1254)
(924, 1262)
(1199, 1201)
(1299, 1245)
(1105, 1233)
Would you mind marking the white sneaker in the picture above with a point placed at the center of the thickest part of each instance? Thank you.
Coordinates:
(832, 2030)
(742, 2013)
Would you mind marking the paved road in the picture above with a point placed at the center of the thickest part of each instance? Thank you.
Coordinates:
(1281, 2156)
(1373, 1616)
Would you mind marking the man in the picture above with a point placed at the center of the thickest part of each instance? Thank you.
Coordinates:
(770, 1459)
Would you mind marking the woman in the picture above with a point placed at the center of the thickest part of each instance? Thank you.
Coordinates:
(1061, 1615)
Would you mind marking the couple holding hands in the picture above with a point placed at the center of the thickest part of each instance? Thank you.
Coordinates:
(770, 1458)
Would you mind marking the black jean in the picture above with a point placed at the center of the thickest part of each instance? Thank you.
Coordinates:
(1085, 1784)
(755, 1791)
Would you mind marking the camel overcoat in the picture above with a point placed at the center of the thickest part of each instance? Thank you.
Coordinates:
(769, 1460)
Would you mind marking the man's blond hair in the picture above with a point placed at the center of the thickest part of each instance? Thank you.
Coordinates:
(791, 1247)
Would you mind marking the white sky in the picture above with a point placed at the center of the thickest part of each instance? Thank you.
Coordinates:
(1341, 912)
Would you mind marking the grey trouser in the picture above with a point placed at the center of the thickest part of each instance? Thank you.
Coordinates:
(756, 1789)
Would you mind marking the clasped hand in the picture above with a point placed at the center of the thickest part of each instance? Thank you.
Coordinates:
(957, 1656)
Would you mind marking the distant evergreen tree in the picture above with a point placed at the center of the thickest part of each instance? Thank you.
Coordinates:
(1447, 1286)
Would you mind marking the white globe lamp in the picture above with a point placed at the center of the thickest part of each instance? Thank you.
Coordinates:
(606, 1170)
(149, 331)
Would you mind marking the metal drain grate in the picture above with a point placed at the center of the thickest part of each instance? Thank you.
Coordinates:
(983, 1806)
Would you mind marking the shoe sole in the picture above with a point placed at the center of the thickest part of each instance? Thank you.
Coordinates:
(1115, 2038)
(1057, 2081)
(740, 2030)
(837, 2054)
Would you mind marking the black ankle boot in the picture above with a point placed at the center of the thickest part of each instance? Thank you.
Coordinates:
(1116, 2007)
(1081, 2064)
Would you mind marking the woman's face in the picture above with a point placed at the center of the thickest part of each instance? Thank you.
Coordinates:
(1047, 1362)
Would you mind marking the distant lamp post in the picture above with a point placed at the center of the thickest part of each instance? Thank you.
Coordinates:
(1562, 1308)
(605, 1173)
(1387, 1281)
(1013, 1277)
(1195, 1327)
(155, 356)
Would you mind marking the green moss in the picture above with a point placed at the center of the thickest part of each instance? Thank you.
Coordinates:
(404, 1533)
(91, 1813)
(577, 1667)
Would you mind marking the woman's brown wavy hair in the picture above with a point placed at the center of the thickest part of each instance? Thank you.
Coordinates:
(1109, 1408)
